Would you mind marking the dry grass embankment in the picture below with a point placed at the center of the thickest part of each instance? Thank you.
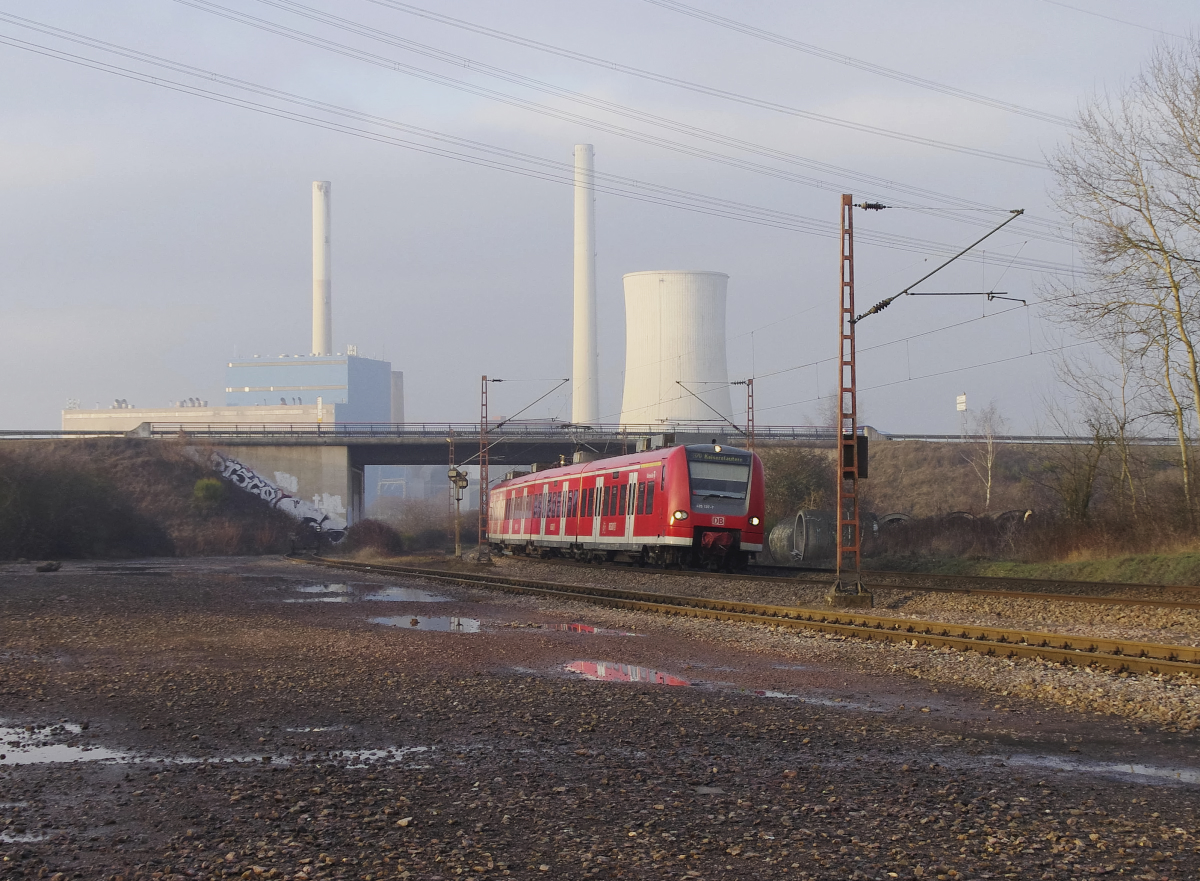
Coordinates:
(117, 497)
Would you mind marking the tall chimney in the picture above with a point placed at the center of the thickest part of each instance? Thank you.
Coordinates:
(585, 392)
(322, 340)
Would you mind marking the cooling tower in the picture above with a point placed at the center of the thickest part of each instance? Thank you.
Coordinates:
(322, 329)
(585, 373)
(675, 332)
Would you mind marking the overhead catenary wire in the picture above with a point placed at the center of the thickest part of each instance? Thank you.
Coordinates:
(1039, 228)
(937, 373)
(868, 66)
(548, 170)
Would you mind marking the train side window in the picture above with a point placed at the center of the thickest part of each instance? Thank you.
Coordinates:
(641, 497)
(605, 500)
(624, 497)
(650, 497)
(613, 498)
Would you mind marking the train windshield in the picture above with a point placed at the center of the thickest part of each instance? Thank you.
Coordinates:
(723, 475)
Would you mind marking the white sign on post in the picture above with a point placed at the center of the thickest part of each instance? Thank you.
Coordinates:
(962, 402)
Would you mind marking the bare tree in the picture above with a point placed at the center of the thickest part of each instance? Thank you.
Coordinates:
(1069, 470)
(1129, 180)
(984, 426)
(1118, 388)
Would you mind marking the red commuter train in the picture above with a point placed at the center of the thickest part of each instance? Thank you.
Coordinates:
(700, 504)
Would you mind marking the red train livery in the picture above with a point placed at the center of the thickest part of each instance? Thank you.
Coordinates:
(699, 505)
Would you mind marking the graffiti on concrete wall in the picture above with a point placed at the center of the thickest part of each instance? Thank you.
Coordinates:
(246, 478)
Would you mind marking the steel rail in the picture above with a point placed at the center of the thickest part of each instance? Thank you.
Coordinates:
(1117, 654)
(812, 577)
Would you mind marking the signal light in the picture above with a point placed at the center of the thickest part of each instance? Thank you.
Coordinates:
(680, 515)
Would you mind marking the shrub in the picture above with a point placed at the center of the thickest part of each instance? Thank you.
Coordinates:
(372, 535)
(208, 493)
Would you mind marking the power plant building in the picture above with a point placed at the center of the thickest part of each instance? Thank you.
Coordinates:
(675, 367)
(289, 389)
(362, 389)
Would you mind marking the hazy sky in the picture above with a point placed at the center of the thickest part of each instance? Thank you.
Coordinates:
(150, 235)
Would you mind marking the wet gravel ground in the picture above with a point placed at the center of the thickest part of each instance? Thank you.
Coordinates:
(187, 721)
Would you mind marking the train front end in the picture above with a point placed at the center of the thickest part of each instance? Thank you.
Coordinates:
(716, 499)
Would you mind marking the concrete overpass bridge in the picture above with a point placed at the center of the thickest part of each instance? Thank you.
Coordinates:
(326, 463)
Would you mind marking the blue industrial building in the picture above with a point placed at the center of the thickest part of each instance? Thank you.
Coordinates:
(355, 389)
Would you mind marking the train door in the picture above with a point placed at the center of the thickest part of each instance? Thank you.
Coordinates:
(628, 497)
(597, 510)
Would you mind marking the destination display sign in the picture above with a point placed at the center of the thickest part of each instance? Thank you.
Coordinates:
(723, 458)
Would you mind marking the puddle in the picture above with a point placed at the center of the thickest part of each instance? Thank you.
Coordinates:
(365, 757)
(1122, 769)
(323, 588)
(22, 838)
(453, 624)
(21, 747)
(589, 629)
(344, 593)
(836, 702)
(606, 671)
(405, 595)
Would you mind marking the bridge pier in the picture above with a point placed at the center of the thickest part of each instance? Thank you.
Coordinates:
(322, 475)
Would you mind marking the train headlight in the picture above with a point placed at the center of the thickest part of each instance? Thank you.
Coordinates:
(681, 515)
(754, 521)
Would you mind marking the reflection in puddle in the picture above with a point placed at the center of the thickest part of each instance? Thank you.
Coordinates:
(589, 629)
(405, 595)
(323, 588)
(605, 671)
(1182, 775)
(344, 593)
(453, 624)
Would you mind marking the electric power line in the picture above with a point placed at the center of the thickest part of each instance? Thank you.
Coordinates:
(870, 67)
(558, 172)
(676, 82)
(1041, 228)
(1132, 24)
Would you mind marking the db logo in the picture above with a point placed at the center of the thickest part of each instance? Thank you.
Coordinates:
(718, 521)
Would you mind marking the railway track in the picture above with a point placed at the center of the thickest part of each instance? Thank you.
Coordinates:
(905, 581)
(1116, 654)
